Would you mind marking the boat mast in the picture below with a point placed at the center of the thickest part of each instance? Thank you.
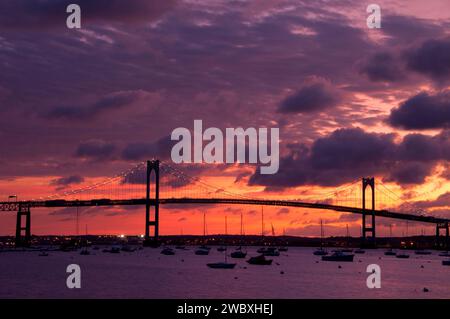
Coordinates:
(204, 228)
(262, 221)
(226, 230)
(321, 233)
(242, 226)
(348, 234)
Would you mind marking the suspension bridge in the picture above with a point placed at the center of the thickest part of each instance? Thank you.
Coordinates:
(154, 183)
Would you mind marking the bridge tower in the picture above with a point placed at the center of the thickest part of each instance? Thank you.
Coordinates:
(442, 244)
(23, 240)
(370, 181)
(152, 239)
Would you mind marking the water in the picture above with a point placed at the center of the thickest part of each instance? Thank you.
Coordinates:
(148, 274)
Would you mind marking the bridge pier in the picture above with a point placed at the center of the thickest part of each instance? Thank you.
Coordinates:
(152, 240)
(23, 240)
(442, 244)
(368, 241)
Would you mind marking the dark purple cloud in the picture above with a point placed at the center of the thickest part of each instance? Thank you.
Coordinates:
(432, 58)
(107, 103)
(424, 148)
(383, 67)
(351, 149)
(68, 180)
(35, 14)
(310, 98)
(422, 111)
(347, 154)
(407, 30)
(441, 201)
(95, 149)
(412, 172)
(143, 151)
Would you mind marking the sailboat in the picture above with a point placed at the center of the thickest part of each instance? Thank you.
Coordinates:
(347, 249)
(239, 253)
(283, 248)
(168, 251)
(85, 251)
(339, 256)
(180, 246)
(43, 253)
(359, 250)
(223, 248)
(390, 252)
(203, 249)
(270, 251)
(259, 260)
(321, 251)
(225, 264)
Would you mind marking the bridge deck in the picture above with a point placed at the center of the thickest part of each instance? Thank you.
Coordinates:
(14, 206)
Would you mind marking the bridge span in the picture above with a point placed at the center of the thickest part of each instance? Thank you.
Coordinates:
(14, 206)
(152, 199)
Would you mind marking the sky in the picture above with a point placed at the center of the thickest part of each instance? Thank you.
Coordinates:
(77, 106)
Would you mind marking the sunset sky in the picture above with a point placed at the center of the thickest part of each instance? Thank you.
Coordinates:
(79, 106)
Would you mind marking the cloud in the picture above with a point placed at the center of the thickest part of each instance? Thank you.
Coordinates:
(422, 111)
(407, 29)
(95, 149)
(410, 172)
(142, 151)
(347, 154)
(108, 103)
(310, 98)
(425, 148)
(351, 149)
(382, 67)
(33, 14)
(283, 211)
(442, 201)
(432, 58)
(69, 180)
(439, 207)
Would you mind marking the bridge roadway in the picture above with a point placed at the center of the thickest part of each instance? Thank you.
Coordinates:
(14, 206)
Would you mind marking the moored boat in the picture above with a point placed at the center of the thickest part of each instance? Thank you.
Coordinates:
(85, 252)
(238, 253)
(402, 256)
(320, 252)
(339, 256)
(112, 250)
(422, 252)
(446, 262)
(168, 251)
(259, 260)
(202, 252)
(271, 251)
(221, 265)
(390, 252)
